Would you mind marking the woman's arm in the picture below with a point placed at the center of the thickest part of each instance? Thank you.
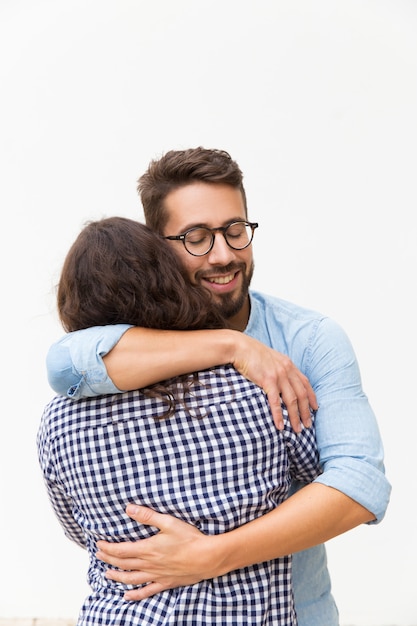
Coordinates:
(59, 499)
(144, 356)
(110, 359)
(180, 555)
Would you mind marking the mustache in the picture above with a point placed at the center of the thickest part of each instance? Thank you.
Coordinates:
(222, 270)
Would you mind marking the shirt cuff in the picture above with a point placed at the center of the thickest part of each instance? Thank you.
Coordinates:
(361, 481)
(75, 364)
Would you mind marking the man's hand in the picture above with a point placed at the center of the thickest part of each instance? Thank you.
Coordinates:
(162, 560)
(180, 555)
(279, 378)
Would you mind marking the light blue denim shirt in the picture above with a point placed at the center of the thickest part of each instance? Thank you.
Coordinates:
(348, 438)
(75, 364)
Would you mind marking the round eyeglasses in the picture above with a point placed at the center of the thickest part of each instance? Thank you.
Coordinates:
(199, 240)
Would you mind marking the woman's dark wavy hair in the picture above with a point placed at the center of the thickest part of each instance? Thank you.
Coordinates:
(178, 168)
(120, 271)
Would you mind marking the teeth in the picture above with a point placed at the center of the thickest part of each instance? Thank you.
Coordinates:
(222, 280)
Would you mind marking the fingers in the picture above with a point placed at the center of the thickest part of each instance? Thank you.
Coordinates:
(125, 554)
(122, 563)
(143, 515)
(128, 578)
(280, 379)
(296, 400)
(311, 400)
(154, 550)
(147, 588)
(293, 389)
(133, 595)
(275, 404)
(113, 553)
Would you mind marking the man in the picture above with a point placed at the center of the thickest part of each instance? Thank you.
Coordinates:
(195, 198)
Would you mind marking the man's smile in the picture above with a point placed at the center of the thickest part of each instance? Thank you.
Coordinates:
(221, 280)
(224, 280)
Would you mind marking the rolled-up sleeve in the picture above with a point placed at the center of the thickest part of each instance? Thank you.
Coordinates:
(74, 363)
(348, 438)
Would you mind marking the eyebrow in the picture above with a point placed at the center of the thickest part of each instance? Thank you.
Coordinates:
(205, 225)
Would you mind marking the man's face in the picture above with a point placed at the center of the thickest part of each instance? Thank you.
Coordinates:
(224, 272)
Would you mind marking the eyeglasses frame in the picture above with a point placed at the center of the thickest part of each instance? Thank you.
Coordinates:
(220, 229)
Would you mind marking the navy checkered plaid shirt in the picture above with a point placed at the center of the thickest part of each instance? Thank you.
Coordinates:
(218, 463)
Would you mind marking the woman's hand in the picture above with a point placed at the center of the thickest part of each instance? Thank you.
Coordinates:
(144, 356)
(279, 378)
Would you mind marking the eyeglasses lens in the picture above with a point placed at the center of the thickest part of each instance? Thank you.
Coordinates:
(198, 241)
(238, 235)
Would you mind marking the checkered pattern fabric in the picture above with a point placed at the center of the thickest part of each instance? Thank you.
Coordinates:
(218, 463)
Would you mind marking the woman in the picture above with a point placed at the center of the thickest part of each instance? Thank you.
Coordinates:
(201, 447)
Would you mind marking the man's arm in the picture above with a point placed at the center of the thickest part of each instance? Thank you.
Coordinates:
(138, 357)
(351, 490)
(180, 555)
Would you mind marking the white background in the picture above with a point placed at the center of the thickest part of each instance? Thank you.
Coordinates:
(317, 101)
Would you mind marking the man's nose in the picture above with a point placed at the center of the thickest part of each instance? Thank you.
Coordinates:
(221, 253)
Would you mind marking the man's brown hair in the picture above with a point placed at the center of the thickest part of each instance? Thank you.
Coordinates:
(178, 168)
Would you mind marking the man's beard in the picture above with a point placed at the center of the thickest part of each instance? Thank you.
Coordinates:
(229, 304)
